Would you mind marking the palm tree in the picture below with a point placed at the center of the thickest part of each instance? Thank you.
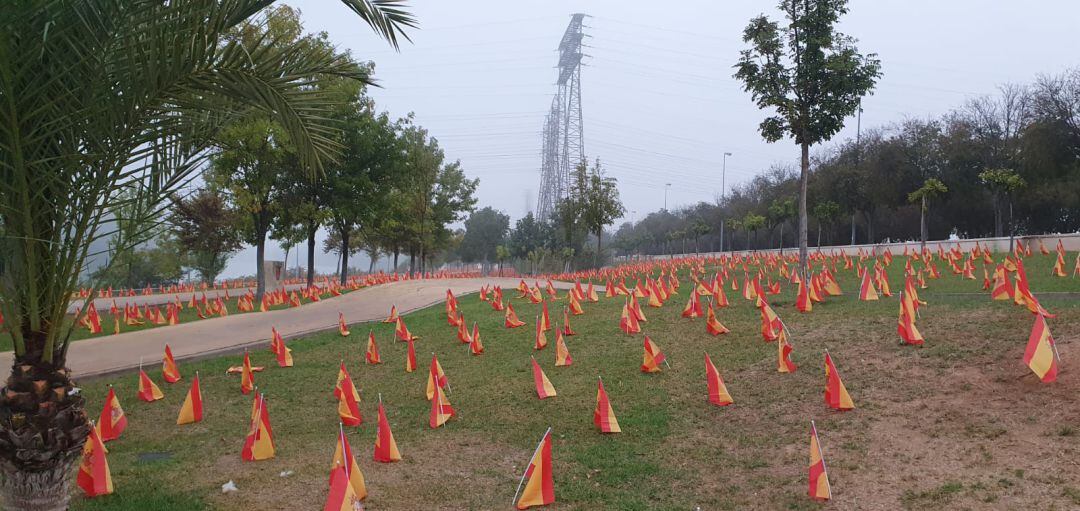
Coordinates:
(107, 102)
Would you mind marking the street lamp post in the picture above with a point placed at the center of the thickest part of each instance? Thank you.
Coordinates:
(723, 195)
(666, 187)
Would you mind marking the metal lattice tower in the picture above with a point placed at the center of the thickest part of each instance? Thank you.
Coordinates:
(563, 143)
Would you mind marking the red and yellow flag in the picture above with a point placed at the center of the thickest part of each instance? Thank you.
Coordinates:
(784, 349)
(435, 374)
(112, 421)
(192, 409)
(259, 443)
(410, 357)
(476, 347)
(836, 395)
(802, 299)
(819, 477)
(1041, 354)
(169, 371)
(148, 391)
(372, 354)
(866, 288)
(544, 388)
(343, 458)
(713, 325)
(342, 329)
(905, 325)
(94, 476)
(278, 348)
(441, 411)
(718, 393)
(539, 488)
(386, 449)
(342, 497)
(603, 414)
(540, 339)
(628, 322)
(392, 318)
(247, 377)
(652, 357)
(510, 318)
(562, 354)
(348, 398)
(402, 332)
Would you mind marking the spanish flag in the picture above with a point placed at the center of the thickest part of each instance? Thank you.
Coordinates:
(718, 393)
(545, 317)
(348, 398)
(148, 391)
(476, 347)
(343, 457)
(402, 332)
(603, 415)
(94, 477)
(392, 318)
(192, 410)
(372, 354)
(435, 374)
(905, 325)
(784, 363)
(628, 323)
(652, 357)
(342, 329)
(342, 497)
(539, 488)
(566, 330)
(386, 449)
(259, 444)
(112, 421)
(1041, 354)
(836, 395)
(712, 325)
(819, 477)
(247, 377)
(169, 371)
(278, 348)
(410, 357)
(540, 340)
(544, 389)
(562, 354)
(802, 299)
(441, 411)
(511, 320)
(866, 288)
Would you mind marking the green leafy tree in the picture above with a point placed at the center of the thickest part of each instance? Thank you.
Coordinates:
(101, 97)
(598, 203)
(809, 75)
(826, 213)
(205, 228)
(752, 223)
(1002, 183)
(485, 233)
(780, 211)
(931, 189)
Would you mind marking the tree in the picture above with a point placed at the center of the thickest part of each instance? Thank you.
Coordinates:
(205, 227)
(752, 223)
(485, 232)
(101, 97)
(929, 191)
(1003, 184)
(698, 229)
(779, 212)
(598, 204)
(502, 253)
(826, 212)
(810, 75)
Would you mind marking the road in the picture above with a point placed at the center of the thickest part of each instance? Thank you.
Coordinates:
(205, 338)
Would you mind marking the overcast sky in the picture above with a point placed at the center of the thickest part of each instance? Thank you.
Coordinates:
(658, 98)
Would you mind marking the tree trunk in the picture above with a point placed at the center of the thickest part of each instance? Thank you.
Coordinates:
(998, 230)
(922, 224)
(311, 254)
(819, 233)
(260, 271)
(344, 256)
(852, 227)
(869, 227)
(782, 239)
(596, 260)
(41, 437)
(804, 176)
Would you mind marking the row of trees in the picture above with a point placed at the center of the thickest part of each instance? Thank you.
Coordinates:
(390, 191)
(1008, 162)
(562, 242)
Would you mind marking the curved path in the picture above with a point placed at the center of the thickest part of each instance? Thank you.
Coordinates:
(205, 338)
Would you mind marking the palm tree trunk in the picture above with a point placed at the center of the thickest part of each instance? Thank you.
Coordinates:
(260, 272)
(344, 256)
(922, 224)
(311, 254)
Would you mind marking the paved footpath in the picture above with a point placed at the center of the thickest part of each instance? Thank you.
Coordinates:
(205, 338)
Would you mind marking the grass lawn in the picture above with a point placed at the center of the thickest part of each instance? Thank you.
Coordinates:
(186, 315)
(960, 423)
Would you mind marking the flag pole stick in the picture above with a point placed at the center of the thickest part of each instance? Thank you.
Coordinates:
(341, 440)
(522, 480)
